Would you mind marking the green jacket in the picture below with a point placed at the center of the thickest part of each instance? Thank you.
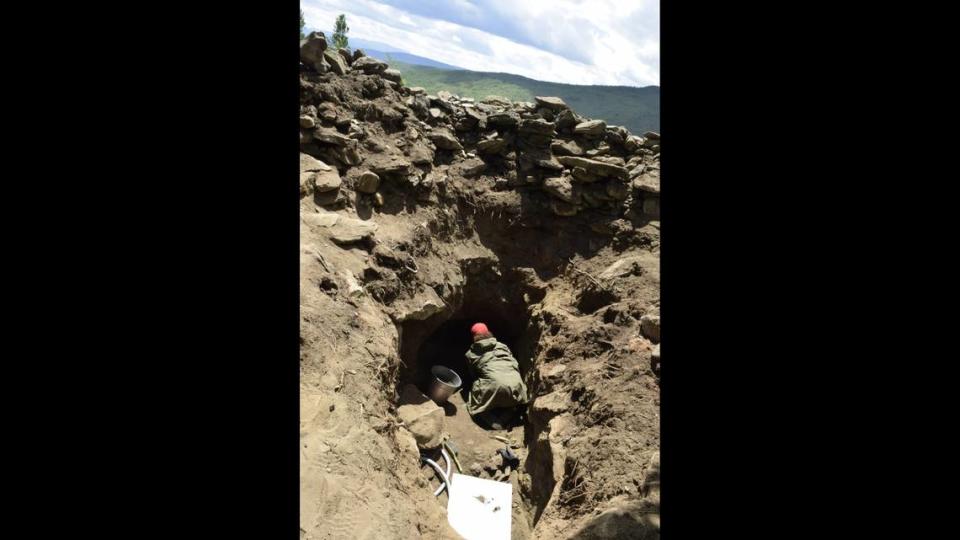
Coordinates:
(497, 377)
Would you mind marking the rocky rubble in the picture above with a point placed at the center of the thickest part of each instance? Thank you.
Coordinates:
(357, 118)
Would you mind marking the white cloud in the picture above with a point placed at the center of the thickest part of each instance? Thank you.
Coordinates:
(597, 42)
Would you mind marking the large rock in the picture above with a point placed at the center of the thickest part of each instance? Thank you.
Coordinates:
(560, 187)
(337, 64)
(524, 106)
(442, 104)
(326, 181)
(566, 120)
(321, 220)
(419, 104)
(444, 139)
(552, 103)
(547, 114)
(503, 119)
(614, 136)
(632, 143)
(591, 127)
(601, 150)
(421, 307)
(310, 163)
(648, 183)
(347, 56)
(550, 405)
(470, 120)
(613, 160)
(329, 115)
(421, 416)
(369, 65)
(494, 145)
(593, 166)
(566, 148)
(537, 126)
(472, 167)
(581, 175)
(317, 176)
(368, 182)
(341, 229)
(420, 153)
(549, 162)
(331, 136)
(392, 75)
(539, 157)
(311, 51)
(388, 164)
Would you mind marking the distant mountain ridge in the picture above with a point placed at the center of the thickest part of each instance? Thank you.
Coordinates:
(636, 108)
(387, 53)
(407, 58)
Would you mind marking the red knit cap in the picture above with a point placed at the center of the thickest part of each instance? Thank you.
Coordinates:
(479, 328)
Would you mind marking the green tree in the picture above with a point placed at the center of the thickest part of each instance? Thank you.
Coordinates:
(301, 24)
(340, 32)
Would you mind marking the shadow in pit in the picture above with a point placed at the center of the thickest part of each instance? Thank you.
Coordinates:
(449, 409)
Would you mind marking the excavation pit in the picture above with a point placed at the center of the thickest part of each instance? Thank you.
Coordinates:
(443, 340)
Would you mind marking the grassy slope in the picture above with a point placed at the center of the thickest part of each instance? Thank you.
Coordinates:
(638, 109)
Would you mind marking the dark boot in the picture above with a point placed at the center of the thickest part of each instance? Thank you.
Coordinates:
(488, 420)
(508, 417)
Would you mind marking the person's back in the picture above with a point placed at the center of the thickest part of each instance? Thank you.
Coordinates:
(497, 384)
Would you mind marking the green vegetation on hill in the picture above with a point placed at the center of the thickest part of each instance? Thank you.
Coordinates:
(637, 109)
(340, 40)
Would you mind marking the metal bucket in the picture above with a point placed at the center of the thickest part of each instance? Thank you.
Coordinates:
(443, 383)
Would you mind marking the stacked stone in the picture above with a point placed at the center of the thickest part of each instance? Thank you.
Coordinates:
(580, 164)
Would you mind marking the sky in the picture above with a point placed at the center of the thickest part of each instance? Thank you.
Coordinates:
(609, 42)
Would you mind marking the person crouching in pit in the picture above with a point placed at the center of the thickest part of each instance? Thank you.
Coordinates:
(498, 389)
